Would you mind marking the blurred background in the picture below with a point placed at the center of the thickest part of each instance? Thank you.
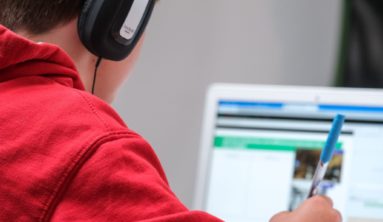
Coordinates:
(193, 43)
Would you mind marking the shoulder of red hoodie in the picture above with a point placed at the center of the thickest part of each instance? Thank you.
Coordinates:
(65, 155)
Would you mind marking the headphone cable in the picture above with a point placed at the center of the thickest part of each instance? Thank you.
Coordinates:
(95, 73)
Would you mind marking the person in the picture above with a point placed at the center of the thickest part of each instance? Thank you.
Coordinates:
(65, 154)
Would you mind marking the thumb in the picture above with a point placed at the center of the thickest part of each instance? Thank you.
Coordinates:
(280, 217)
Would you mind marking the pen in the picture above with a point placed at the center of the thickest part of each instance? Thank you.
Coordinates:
(327, 153)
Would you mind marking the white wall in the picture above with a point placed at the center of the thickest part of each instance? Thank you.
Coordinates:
(192, 43)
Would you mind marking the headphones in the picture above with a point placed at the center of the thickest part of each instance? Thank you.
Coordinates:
(111, 28)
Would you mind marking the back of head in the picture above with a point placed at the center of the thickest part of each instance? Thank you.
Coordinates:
(37, 16)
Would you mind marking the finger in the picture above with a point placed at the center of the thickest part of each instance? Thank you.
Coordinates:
(338, 216)
(280, 216)
(323, 200)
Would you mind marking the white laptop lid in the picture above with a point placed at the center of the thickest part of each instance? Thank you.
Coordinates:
(260, 146)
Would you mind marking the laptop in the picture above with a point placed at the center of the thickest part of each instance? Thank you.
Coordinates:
(261, 144)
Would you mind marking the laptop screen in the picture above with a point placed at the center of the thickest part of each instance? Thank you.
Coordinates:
(264, 155)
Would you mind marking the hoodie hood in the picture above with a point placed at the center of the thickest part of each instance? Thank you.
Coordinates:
(20, 57)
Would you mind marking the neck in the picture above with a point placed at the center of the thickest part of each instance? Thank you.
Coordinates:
(65, 36)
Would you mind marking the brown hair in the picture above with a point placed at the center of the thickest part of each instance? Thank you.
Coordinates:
(37, 16)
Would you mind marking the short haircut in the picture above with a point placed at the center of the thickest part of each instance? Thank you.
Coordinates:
(37, 16)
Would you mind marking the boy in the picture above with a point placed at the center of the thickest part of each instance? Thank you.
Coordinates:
(65, 155)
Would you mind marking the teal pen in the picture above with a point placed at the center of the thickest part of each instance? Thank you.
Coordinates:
(327, 153)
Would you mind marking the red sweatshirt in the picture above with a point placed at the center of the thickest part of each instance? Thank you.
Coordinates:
(65, 155)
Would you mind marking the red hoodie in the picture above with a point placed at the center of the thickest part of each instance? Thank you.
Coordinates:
(65, 155)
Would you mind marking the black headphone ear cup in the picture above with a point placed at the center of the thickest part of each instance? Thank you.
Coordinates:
(101, 24)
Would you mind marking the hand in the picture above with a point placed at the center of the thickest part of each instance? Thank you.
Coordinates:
(315, 209)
